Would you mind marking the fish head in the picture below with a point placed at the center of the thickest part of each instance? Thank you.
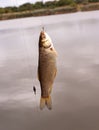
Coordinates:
(45, 40)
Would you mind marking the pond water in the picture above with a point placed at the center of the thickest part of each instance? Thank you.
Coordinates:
(75, 95)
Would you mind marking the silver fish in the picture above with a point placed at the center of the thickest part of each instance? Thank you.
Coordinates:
(46, 68)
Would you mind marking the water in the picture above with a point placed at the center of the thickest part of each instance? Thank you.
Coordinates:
(76, 89)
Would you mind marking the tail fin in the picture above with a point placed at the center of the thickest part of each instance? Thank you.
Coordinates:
(46, 102)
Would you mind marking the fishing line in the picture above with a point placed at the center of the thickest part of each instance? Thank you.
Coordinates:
(42, 19)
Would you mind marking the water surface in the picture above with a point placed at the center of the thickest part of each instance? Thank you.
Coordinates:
(76, 89)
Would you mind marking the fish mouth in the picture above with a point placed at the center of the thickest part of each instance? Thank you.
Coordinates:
(44, 40)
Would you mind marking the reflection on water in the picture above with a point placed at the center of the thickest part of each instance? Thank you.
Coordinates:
(75, 93)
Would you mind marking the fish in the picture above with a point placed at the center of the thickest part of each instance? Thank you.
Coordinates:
(47, 68)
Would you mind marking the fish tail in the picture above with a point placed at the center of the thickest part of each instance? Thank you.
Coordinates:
(49, 103)
(46, 102)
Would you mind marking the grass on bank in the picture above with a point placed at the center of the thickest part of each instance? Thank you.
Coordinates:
(50, 11)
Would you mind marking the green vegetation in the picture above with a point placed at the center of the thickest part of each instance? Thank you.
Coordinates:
(85, 1)
(48, 8)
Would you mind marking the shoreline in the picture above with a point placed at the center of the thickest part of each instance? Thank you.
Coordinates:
(54, 11)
